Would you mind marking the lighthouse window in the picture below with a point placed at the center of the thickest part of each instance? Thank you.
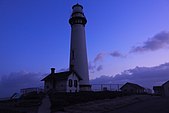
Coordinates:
(70, 83)
(73, 55)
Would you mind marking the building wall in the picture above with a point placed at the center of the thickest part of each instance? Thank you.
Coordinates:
(78, 47)
(63, 85)
(166, 89)
(60, 86)
(74, 78)
(48, 85)
(129, 89)
(147, 90)
(158, 90)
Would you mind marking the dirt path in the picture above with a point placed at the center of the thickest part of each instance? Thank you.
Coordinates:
(130, 104)
(45, 106)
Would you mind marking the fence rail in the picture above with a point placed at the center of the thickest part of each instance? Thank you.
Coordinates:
(106, 87)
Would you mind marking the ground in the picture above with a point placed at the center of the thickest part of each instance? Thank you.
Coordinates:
(128, 104)
(122, 104)
(25, 104)
(45, 106)
(158, 105)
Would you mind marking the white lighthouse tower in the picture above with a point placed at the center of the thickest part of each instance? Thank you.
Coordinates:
(78, 52)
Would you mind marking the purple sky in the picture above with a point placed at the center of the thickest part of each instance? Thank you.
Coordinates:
(121, 34)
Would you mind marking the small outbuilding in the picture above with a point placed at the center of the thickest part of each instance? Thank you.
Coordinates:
(131, 88)
(162, 90)
(67, 81)
(166, 88)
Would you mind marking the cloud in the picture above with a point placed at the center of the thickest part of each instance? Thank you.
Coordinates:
(145, 76)
(116, 54)
(93, 65)
(99, 57)
(99, 68)
(102, 55)
(13, 82)
(159, 41)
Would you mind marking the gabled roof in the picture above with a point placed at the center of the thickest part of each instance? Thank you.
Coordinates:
(158, 87)
(60, 76)
(165, 83)
(133, 85)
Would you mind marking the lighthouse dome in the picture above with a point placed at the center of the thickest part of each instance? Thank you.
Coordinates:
(77, 8)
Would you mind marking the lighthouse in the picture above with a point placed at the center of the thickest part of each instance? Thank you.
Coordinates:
(78, 51)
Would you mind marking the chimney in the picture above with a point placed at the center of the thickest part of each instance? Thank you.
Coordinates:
(52, 70)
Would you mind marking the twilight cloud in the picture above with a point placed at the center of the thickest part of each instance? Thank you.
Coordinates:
(102, 55)
(160, 40)
(99, 57)
(116, 54)
(99, 68)
(145, 76)
(13, 82)
(93, 65)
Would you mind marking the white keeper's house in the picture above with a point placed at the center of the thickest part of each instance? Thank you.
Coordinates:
(67, 81)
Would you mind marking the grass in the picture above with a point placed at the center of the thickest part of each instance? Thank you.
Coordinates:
(9, 111)
(60, 100)
(30, 99)
(25, 103)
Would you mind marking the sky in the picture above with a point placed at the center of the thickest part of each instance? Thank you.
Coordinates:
(120, 35)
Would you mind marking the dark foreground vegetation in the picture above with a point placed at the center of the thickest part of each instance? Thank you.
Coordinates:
(24, 104)
(30, 102)
(61, 100)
